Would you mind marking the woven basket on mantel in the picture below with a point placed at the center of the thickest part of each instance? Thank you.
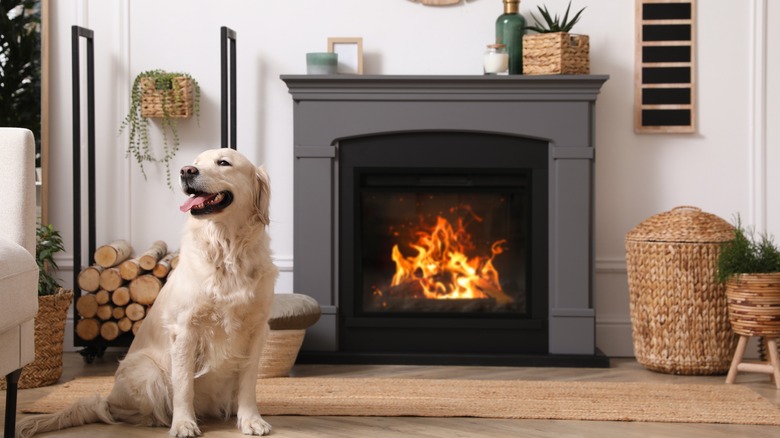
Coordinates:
(176, 101)
(678, 309)
(556, 53)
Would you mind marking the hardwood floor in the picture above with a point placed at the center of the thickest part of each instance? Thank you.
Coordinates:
(621, 370)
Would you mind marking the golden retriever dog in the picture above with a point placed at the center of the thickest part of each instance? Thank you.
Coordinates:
(197, 352)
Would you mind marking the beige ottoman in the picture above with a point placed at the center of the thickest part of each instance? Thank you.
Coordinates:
(291, 315)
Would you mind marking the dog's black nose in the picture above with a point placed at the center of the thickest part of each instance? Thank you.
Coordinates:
(189, 171)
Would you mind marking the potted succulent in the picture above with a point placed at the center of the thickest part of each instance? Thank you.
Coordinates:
(553, 50)
(749, 265)
(53, 304)
(165, 95)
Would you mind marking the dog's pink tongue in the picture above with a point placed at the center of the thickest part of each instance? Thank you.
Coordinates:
(193, 201)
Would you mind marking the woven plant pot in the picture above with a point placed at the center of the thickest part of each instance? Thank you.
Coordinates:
(177, 102)
(556, 53)
(679, 313)
(280, 351)
(46, 369)
(754, 304)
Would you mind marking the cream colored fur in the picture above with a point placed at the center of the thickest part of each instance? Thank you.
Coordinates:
(197, 352)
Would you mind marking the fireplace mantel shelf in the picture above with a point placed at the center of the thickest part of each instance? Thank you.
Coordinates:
(460, 87)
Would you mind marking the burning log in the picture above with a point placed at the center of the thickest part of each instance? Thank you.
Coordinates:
(113, 254)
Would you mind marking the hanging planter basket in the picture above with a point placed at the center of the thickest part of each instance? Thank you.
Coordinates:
(172, 99)
(556, 53)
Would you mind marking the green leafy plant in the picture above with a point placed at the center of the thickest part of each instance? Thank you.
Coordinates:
(554, 23)
(139, 145)
(20, 66)
(48, 243)
(747, 254)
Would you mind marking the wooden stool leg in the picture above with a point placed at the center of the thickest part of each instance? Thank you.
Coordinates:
(774, 359)
(732, 376)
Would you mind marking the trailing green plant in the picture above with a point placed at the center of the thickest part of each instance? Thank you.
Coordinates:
(554, 23)
(48, 242)
(747, 254)
(139, 144)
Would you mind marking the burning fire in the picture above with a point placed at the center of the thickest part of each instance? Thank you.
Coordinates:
(441, 269)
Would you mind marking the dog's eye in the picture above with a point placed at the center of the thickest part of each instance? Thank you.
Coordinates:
(223, 163)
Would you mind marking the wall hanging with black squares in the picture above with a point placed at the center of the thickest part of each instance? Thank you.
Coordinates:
(665, 70)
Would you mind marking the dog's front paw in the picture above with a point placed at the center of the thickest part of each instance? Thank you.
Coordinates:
(254, 425)
(184, 429)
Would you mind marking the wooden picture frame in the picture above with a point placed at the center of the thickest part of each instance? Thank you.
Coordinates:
(665, 67)
(350, 51)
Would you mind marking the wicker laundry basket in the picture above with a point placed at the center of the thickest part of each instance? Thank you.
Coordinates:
(679, 311)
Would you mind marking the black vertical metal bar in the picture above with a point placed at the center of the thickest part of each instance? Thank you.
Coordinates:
(92, 240)
(223, 75)
(76, 111)
(76, 33)
(229, 93)
(233, 120)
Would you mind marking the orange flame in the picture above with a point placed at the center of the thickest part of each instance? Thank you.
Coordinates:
(441, 268)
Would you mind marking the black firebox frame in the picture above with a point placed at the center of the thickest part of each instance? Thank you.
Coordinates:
(433, 334)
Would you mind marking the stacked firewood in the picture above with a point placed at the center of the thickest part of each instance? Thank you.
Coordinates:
(119, 288)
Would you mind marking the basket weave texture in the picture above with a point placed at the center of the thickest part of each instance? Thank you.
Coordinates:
(177, 101)
(556, 53)
(46, 369)
(754, 304)
(279, 353)
(678, 309)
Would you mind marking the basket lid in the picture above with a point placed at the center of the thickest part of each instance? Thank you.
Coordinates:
(682, 224)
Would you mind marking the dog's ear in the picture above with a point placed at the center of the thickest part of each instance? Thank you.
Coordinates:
(263, 195)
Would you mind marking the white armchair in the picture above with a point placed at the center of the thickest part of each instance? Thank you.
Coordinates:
(18, 270)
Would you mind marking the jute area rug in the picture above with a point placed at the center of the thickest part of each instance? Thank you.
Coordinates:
(598, 401)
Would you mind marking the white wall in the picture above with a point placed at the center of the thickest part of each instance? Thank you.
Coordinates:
(726, 168)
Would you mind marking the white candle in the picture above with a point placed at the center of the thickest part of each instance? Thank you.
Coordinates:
(495, 61)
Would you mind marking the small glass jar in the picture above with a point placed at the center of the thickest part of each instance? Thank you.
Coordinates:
(496, 60)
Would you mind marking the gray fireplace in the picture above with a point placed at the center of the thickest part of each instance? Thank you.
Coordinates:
(514, 155)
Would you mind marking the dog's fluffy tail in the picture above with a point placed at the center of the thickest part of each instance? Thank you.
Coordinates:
(86, 410)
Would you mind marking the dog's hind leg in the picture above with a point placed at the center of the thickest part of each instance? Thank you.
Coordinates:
(141, 392)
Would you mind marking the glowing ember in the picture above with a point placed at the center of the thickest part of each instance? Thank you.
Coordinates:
(441, 269)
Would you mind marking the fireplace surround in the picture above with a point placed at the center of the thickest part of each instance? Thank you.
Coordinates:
(339, 117)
